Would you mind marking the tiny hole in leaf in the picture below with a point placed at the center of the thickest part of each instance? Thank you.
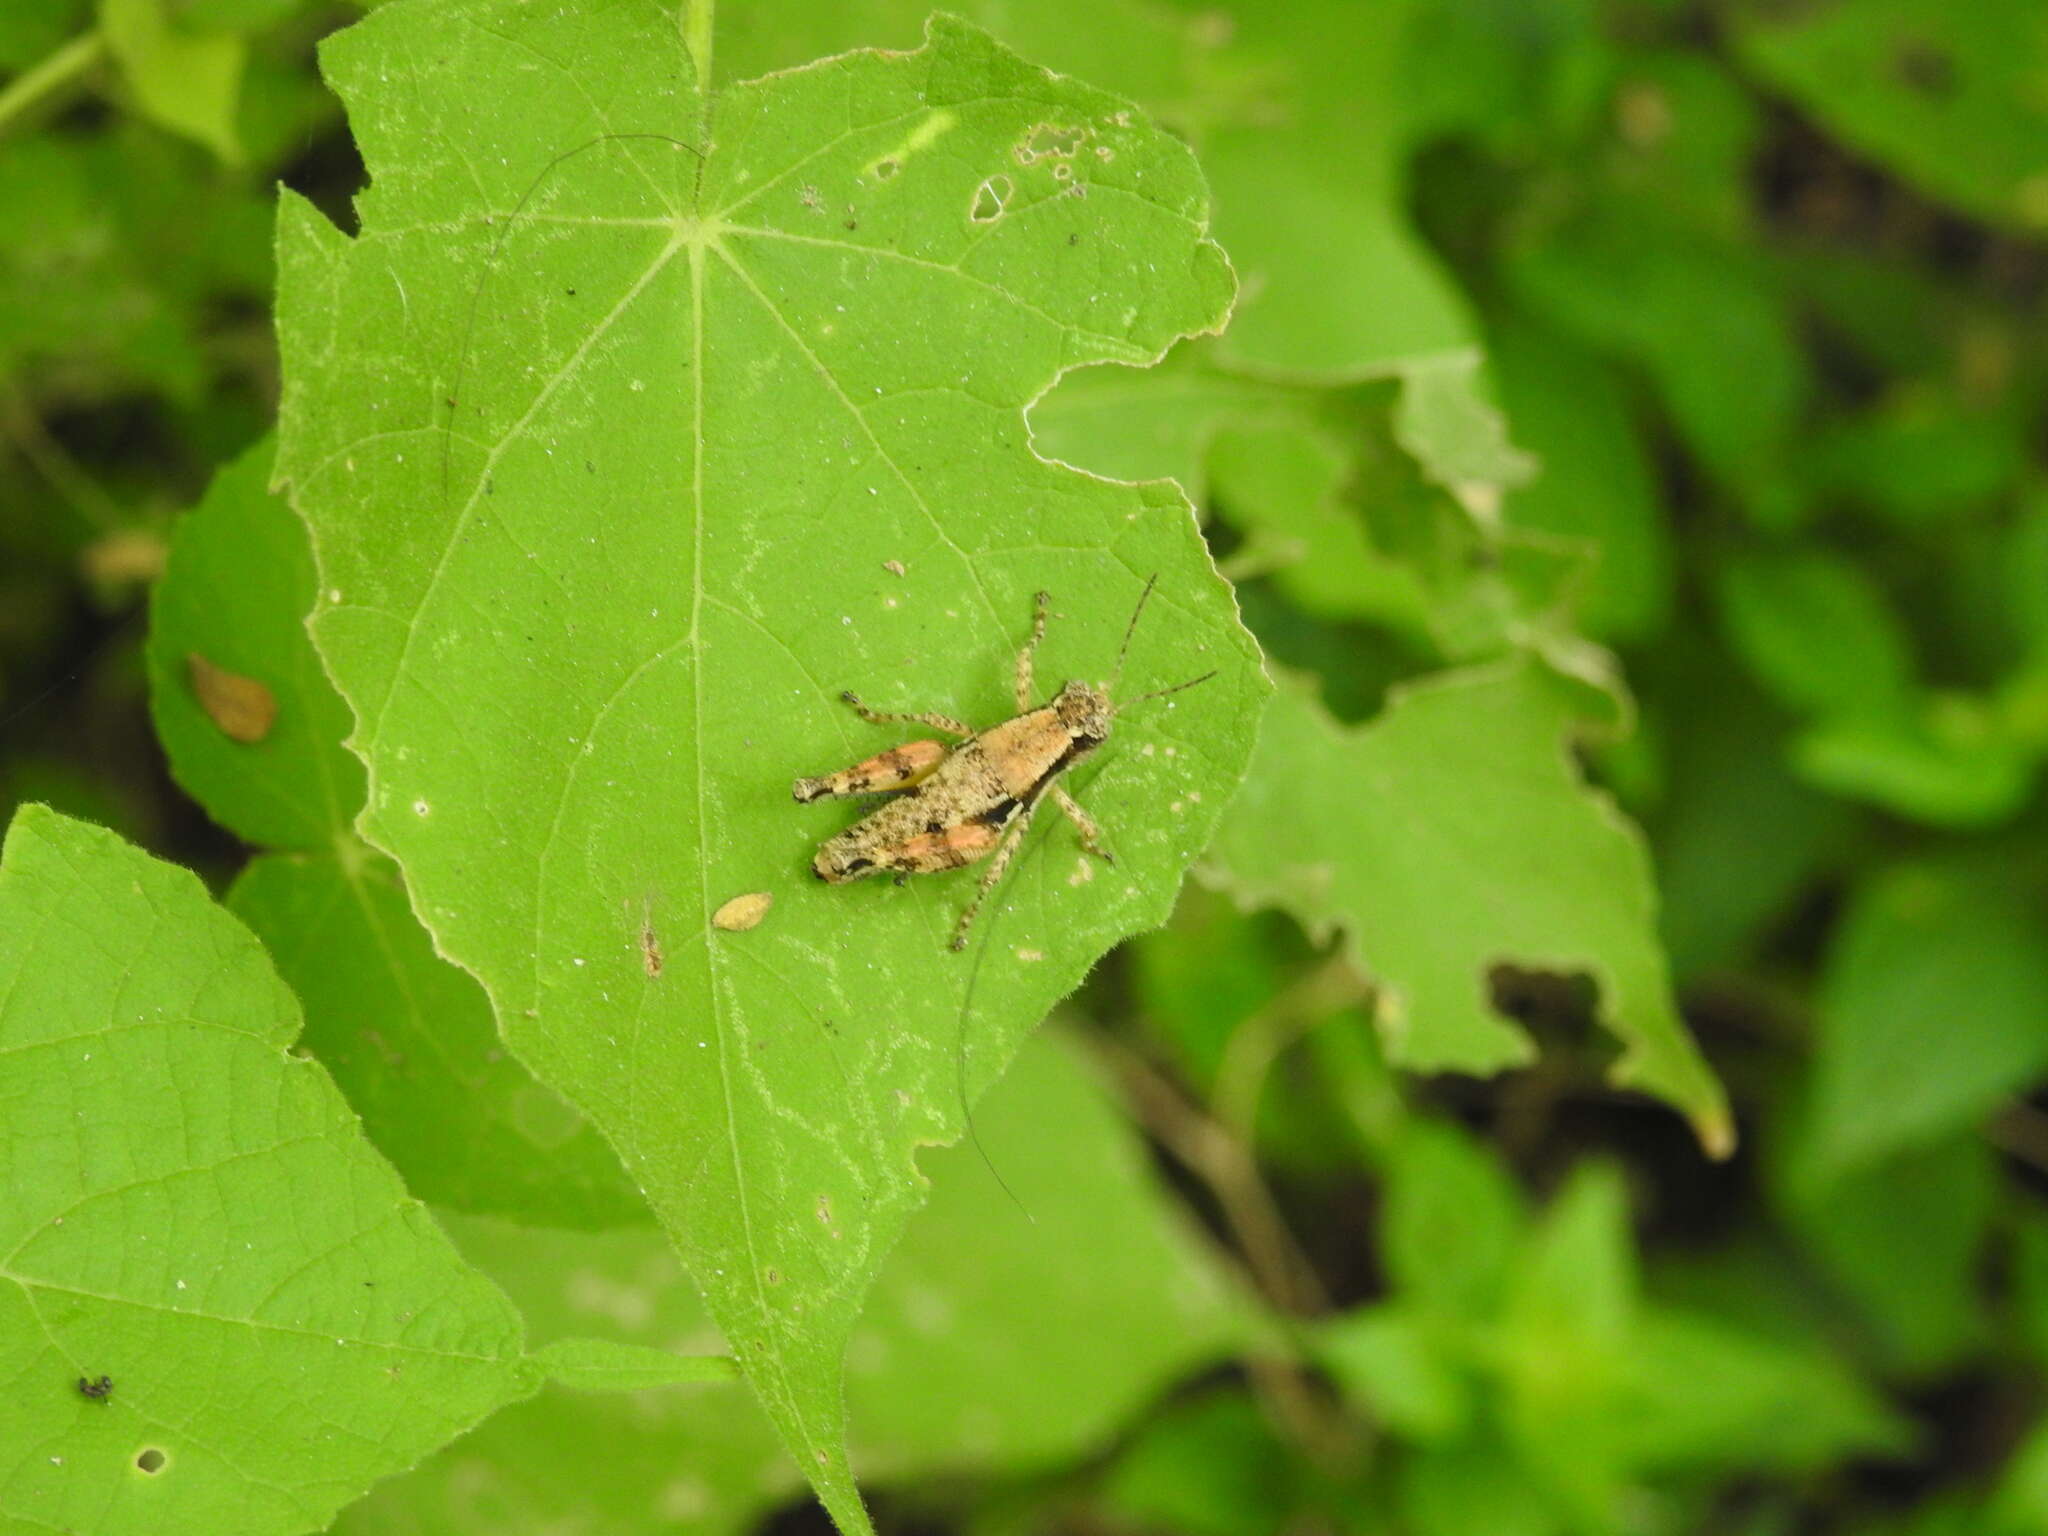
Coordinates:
(151, 1460)
(990, 198)
(1550, 1003)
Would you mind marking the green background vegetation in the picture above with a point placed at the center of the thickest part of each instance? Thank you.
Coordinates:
(1588, 1081)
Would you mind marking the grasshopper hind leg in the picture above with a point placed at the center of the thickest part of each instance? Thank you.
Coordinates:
(902, 767)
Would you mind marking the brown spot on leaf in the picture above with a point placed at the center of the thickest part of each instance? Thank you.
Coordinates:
(243, 708)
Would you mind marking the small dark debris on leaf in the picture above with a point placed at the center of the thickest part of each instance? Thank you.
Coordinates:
(99, 1388)
(243, 708)
(1926, 69)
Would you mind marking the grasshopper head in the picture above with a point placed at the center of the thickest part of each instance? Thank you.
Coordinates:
(1084, 710)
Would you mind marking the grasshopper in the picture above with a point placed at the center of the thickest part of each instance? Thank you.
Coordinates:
(957, 805)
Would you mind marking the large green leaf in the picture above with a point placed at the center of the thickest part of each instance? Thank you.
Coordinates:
(1934, 1008)
(980, 1352)
(187, 81)
(1597, 482)
(1305, 116)
(1597, 1387)
(1817, 632)
(192, 1212)
(1452, 835)
(1947, 97)
(411, 1041)
(1453, 1218)
(1737, 836)
(1693, 311)
(409, 1037)
(738, 389)
(1302, 117)
(118, 254)
(1902, 1240)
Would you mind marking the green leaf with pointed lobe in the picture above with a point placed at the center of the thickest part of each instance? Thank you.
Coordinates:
(738, 385)
(191, 1212)
(1452, 835)
(1305, 118)
(1933, 1012)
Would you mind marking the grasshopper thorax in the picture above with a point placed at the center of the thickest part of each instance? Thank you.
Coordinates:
(1085, 712)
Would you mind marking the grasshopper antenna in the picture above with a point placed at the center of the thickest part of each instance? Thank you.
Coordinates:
(1160, 693)
(1131, 629)
(988, 934)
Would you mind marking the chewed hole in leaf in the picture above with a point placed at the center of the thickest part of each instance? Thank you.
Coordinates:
(990, 199)
(1544, 1001)
(1051, 141)
(151, 1460)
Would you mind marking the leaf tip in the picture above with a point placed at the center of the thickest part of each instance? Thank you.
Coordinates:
(1715, 1129)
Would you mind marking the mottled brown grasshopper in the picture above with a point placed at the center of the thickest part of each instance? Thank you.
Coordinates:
(958, 805)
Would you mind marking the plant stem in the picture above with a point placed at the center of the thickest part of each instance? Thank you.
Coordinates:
(1263, 1038)
(1208, 1150)
(23, 425)
(60, 71)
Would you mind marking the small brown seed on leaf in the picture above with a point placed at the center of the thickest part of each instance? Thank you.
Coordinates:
(743, 912)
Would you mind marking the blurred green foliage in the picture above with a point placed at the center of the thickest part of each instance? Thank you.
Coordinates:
(1685, 364)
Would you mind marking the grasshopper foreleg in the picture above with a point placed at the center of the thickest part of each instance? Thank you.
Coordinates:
(1091, 834)
(932, 718)
(1023, 680)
